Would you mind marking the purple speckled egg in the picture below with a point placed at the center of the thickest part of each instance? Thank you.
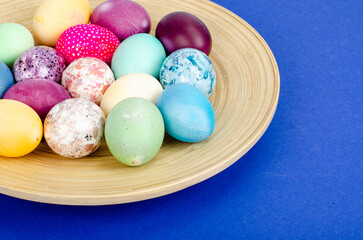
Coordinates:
(39, 62)
(39, 94)
(179, 30)
(122, 17)
(74, 128)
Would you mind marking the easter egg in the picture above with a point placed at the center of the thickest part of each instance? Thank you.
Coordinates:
(74, 128)
(39, 94)
(187, 112)
(140, 53)
(134, 131)
(21, 129)
(39, 62)
(122, 17)
(131, 85)
(87, 40)
(88, 78)
(183, 30)
(6, 79)
(189, 66)
(14, 40)
(53, 17)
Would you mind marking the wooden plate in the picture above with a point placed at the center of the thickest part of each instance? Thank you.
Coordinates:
(244, 100)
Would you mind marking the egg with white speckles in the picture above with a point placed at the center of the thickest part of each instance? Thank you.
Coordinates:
(88, 78)
(87, 40)
(74, 128)
(39, 62)
(189, 66)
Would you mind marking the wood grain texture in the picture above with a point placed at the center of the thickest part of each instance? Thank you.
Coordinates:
(245, 100)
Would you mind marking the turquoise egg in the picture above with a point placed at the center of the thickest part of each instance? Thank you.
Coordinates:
(189, 66)
(134, 131)
(6, 79)
(187, 112)
(140, 53)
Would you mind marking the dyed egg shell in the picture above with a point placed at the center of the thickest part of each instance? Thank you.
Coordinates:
(140, 53)
(183, 30)
(53, 17)
(21, 129)
(14, 40)
(88, 78)
(74, 128)
(189, 66)
(6, 79)
(39, 94)
(87, 40)
(134, 131)
(187, 112)
(39, 62)
(122, 17)
(131, 85)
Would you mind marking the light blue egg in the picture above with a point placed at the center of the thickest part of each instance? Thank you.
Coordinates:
(6, 79)
(187, 112)
(140, 53)
(191, 66)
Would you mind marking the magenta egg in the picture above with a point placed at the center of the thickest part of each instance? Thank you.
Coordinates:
(183, 30)
(122, 17)
(39, 94)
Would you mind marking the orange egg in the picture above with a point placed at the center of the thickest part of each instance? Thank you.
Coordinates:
(21, 129)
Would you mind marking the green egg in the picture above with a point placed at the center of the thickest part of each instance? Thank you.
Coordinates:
(134, 131)
(140, 53)
(14, 40)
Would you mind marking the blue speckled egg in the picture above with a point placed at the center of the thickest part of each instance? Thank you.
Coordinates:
(189, 66)
(6, 79)
(187, 112)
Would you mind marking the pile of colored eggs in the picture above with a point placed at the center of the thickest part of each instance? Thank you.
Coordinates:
(108, 79)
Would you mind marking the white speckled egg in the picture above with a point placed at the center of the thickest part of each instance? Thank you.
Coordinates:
(132, 85)
(74, 128)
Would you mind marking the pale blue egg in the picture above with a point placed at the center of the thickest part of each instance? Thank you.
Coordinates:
(6, 79)
(187, 112)
(190, 66)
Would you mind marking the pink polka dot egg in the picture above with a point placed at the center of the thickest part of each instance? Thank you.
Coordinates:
(87, 40)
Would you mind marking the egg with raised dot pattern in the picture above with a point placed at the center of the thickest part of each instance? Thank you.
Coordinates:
(87, 40)
(74, 128)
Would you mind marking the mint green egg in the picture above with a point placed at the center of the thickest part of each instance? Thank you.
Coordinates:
(14, 40)
(134, 131)
(140, 53)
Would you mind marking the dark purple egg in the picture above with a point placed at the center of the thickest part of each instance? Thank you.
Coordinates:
(39, 94)
(183, 30)
(39, 62)
(122, 17)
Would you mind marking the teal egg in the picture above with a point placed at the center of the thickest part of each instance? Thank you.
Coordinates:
(14, 40)
(134, 131)
(140, 53)
(188, 114)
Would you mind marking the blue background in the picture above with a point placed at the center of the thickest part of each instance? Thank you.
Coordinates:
(302, 180)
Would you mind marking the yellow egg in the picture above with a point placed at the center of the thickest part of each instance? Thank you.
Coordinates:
(53, 17)
(21, 129)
